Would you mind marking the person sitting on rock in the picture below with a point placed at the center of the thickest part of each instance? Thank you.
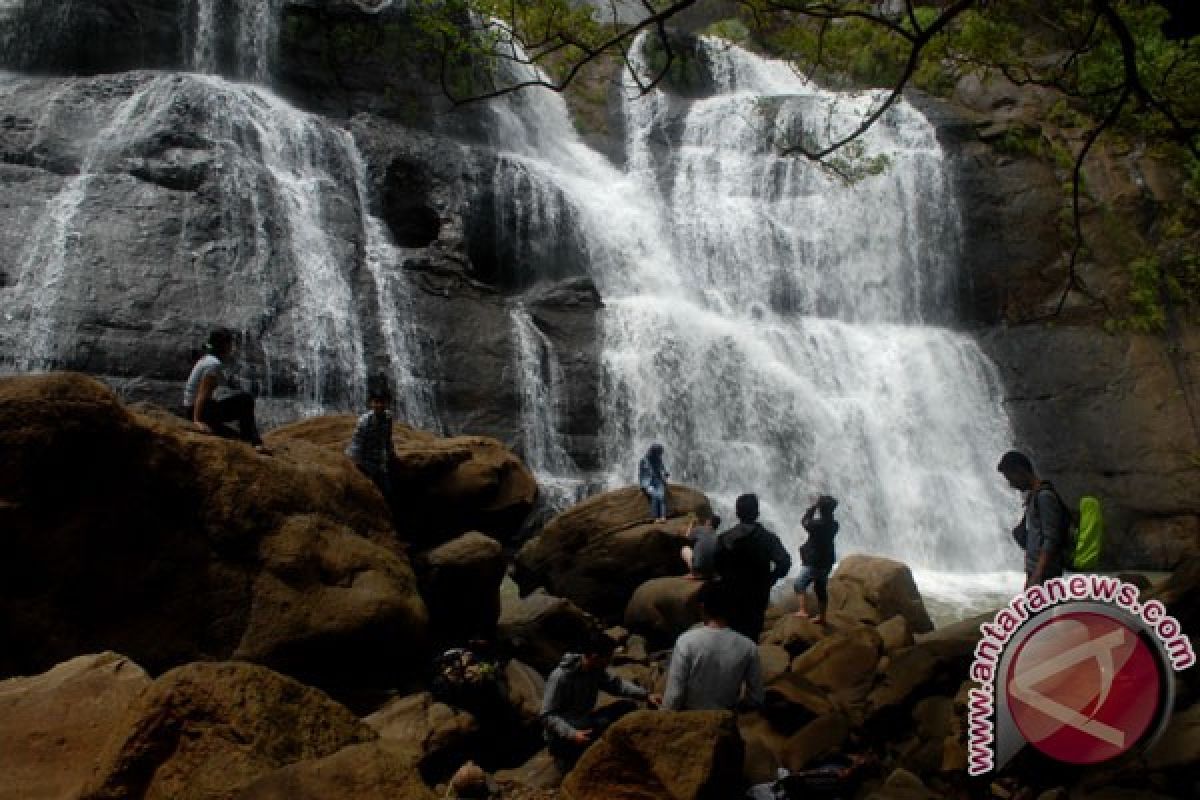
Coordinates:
(371, 447)
(211, 398)
(712, 662)
(702, 545)
(652, 477)
(817, 555)
(569, 723)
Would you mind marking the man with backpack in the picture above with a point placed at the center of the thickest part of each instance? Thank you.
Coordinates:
(749, 560)
(1044, 529)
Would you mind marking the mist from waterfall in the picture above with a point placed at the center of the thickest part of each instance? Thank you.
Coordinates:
(772, 324)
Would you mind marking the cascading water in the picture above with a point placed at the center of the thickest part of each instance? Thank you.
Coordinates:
(769, 323)
(541, 381)
(287, 184)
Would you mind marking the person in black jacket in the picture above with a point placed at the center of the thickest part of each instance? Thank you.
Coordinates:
(749, 560)
(817, 555)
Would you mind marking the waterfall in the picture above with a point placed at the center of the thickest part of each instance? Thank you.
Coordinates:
(779, 329)
(251, 33)
(53, 251)
(396, 315)
(541, 383)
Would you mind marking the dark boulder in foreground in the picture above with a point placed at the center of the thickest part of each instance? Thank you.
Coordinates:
(126, 531)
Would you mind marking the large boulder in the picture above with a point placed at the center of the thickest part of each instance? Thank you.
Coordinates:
(209, 730)
(443, 486)
(689, 755)
(460, 581)
(884, 585)
(663, 608)
(843, 663)
(382, 770)
(539, 629)
(130, 532)
(598, 552)
(437, 732)
(53, 726)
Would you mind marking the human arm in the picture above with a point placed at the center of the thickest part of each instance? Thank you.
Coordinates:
(358, 440)
(780, 558)
(807, 519)
(1052, 518)
(204, 394)
(552, 708)
(620, 687)
(754, 683)
(677, 675)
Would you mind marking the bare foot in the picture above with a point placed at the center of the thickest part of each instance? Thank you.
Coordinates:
(691, 576)
(802, 614)
(818, 619)
(661, 520)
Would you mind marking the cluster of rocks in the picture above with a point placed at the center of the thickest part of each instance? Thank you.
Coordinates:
(211, 623)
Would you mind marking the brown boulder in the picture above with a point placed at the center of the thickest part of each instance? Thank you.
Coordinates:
(524, 689)
(382, 770)
(443, 487)
(460, 581)
(434, 730)
(175, 546)
(539, 629)
(894, 634)
(209, 730)
(689, 755)
(902, 785)
(822, 737)
(774, 661)
(598, 552)
(794, 634)
(53, 726)
(663, 608)
(792, 701)
(842, 663)
(763, 748)
(885, 585)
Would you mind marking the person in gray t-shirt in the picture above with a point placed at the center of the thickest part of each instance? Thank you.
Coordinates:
(210, 400)
(1043, 528)
(712, 662)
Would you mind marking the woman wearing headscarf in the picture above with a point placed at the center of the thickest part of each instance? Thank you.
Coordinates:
(652, 477)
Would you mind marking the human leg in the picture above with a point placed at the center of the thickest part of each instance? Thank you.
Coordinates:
(803, 581)
(658, 502)
(239, 407)
(821, 587)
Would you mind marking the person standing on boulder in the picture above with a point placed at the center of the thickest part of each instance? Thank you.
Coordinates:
(652, 477)
(712, 662)
(817, 555)
(211, 399)
(569, 723)
(371, 447)
(749, 560)
(1042, 531)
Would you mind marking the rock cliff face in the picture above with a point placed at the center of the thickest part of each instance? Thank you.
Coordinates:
(153, 206)
(1102, 411)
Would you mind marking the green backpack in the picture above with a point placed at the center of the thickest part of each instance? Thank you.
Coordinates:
(1085, 533)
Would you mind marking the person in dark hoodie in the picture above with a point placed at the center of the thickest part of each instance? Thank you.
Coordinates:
(749, 560)
(652, 478)
(568, 721)
(818, 555)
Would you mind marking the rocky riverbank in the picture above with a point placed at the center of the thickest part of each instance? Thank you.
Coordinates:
(181, 617)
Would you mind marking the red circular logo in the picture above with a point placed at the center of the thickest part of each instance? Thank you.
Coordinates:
(1084, 688)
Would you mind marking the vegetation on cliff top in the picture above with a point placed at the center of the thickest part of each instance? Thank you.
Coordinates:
(1121, 70)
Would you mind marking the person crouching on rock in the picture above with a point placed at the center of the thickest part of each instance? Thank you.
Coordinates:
(211, 398)
(652, 477)
(817, 555)
(701, 548)
(371, 447)
(569, 723)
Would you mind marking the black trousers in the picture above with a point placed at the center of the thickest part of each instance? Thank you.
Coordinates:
(235, 407)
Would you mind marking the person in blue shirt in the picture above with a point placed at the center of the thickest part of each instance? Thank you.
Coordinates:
(652, 477)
